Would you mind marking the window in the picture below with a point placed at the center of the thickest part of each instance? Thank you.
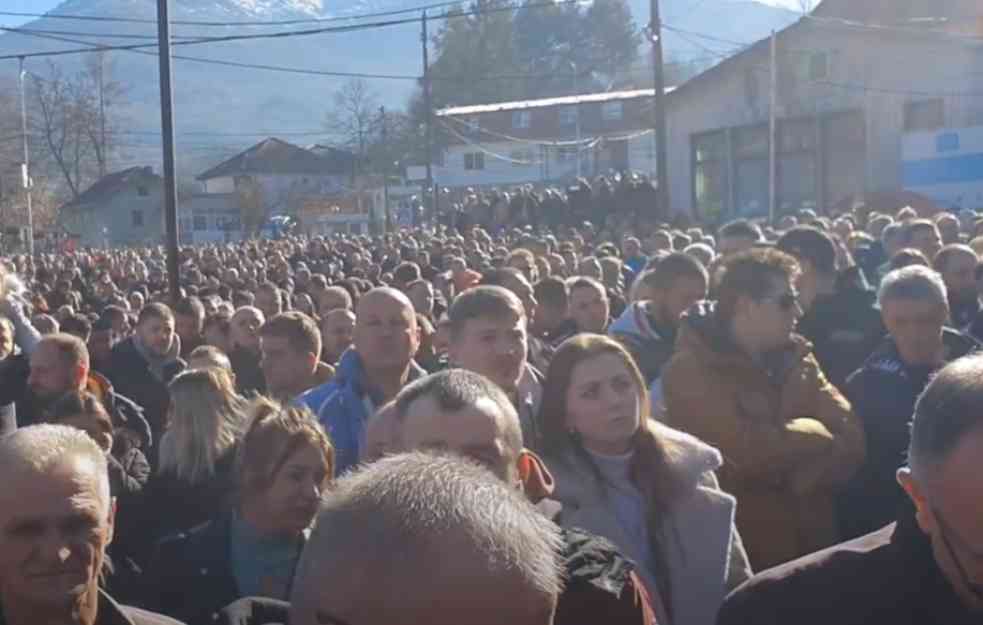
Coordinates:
(143, 191)
(924, 114)
(474, 161)
(818, 66)
(137, 219)
(565, 154)
(612, 111)
(521, 158)
(568, 116)
(521, 119)
(200, 223)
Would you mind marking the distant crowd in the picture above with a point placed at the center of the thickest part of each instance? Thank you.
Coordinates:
(547, 408)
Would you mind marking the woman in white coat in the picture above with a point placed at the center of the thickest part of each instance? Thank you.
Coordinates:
(649, 489)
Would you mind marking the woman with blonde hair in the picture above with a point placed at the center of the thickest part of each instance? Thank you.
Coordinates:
(194, 480)
(649, 489)
(284, 462)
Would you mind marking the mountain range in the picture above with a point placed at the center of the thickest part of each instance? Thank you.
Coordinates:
(221, 109)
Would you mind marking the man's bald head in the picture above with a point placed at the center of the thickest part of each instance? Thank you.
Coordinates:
(477, 540)
(386, 331)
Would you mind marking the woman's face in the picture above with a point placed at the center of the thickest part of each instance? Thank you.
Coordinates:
(292, 499)
(604, 404)
(97, 426)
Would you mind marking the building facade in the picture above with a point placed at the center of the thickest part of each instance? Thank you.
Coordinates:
(854, 79)
(552, 140)
(122, 208)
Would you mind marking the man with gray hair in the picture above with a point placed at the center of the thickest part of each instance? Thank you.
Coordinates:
(914, 306)
(416, 538)
(925, 567)
(56, 521)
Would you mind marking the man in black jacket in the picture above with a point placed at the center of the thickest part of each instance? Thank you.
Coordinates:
(923, 569)
(883, 392)
(842, 319)
(143, 365)
(57, 518)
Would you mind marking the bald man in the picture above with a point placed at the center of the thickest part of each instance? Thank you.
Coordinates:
(458, 544)
(370, 374)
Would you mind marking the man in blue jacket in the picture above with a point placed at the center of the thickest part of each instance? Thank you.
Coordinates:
(369, 374)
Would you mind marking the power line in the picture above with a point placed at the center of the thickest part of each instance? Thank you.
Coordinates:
(293, 22)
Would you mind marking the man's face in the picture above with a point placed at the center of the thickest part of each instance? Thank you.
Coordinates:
(475, 432)
(589, 308)
(494, 347)
(773, 317)
(631, 248)
(52, 544)
(916, 327)
(157, 335)
(960, 276)
(521, 288)
(284, 367)
(949, 503)
(386, 334)
(188, 327)
(51, 375)
(928, 241)
(337, 332)
(328, 300)
(680, 297)
(101, 344)
(949, 230)
(526, 265)
(244, 330)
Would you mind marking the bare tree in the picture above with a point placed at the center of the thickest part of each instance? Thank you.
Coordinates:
(106, 97)
(60, 125)
(353, 117)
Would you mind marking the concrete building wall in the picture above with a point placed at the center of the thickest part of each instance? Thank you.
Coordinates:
(879, 74)
(127, 218)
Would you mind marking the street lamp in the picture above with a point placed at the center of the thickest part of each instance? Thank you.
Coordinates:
(26, 167)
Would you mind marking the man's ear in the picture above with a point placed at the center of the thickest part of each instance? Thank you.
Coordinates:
(915, 492)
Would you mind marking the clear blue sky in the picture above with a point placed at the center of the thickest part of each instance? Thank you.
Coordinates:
(24, 6)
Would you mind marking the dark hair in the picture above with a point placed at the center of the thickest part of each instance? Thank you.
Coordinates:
(912, 227)
(221, 319)
(482, 301)
(664, 272)
(155, 311)
(553, 292)
(497, 277)
(740, 228)
(406, 272)
(454, 390)
(73, 403)
(752, 274)
(811, 244)
(190, 307)
(946, 412)
(907, 257)
(298, 329)
(77, 325)
(947, 252)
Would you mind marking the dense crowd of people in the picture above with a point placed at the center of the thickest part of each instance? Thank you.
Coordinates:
(513, 422)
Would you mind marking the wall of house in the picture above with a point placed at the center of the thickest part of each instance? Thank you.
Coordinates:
(870, 74)
(278, 189)
(112, 221)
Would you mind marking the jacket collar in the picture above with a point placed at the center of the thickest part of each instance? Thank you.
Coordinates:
(110, 612)
(351, 373)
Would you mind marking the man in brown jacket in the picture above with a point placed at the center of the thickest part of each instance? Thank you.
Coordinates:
(745, 383)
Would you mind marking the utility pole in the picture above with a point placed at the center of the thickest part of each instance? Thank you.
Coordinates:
(102, 115)
(773, 131)
(167, 132)
(576, 94)
(428, 104)
(26, 166)
(385, 168)
(661, 129)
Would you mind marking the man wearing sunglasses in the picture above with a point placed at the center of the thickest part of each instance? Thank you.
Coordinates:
(927, 567)
(914, 305)
(743, 381)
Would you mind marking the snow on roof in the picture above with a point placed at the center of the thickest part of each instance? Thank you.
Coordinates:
(547, 102)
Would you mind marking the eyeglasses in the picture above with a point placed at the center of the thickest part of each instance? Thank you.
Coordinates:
(946, 532)
(786, 301)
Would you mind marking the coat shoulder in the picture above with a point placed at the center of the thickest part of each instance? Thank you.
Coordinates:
(689, 457)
